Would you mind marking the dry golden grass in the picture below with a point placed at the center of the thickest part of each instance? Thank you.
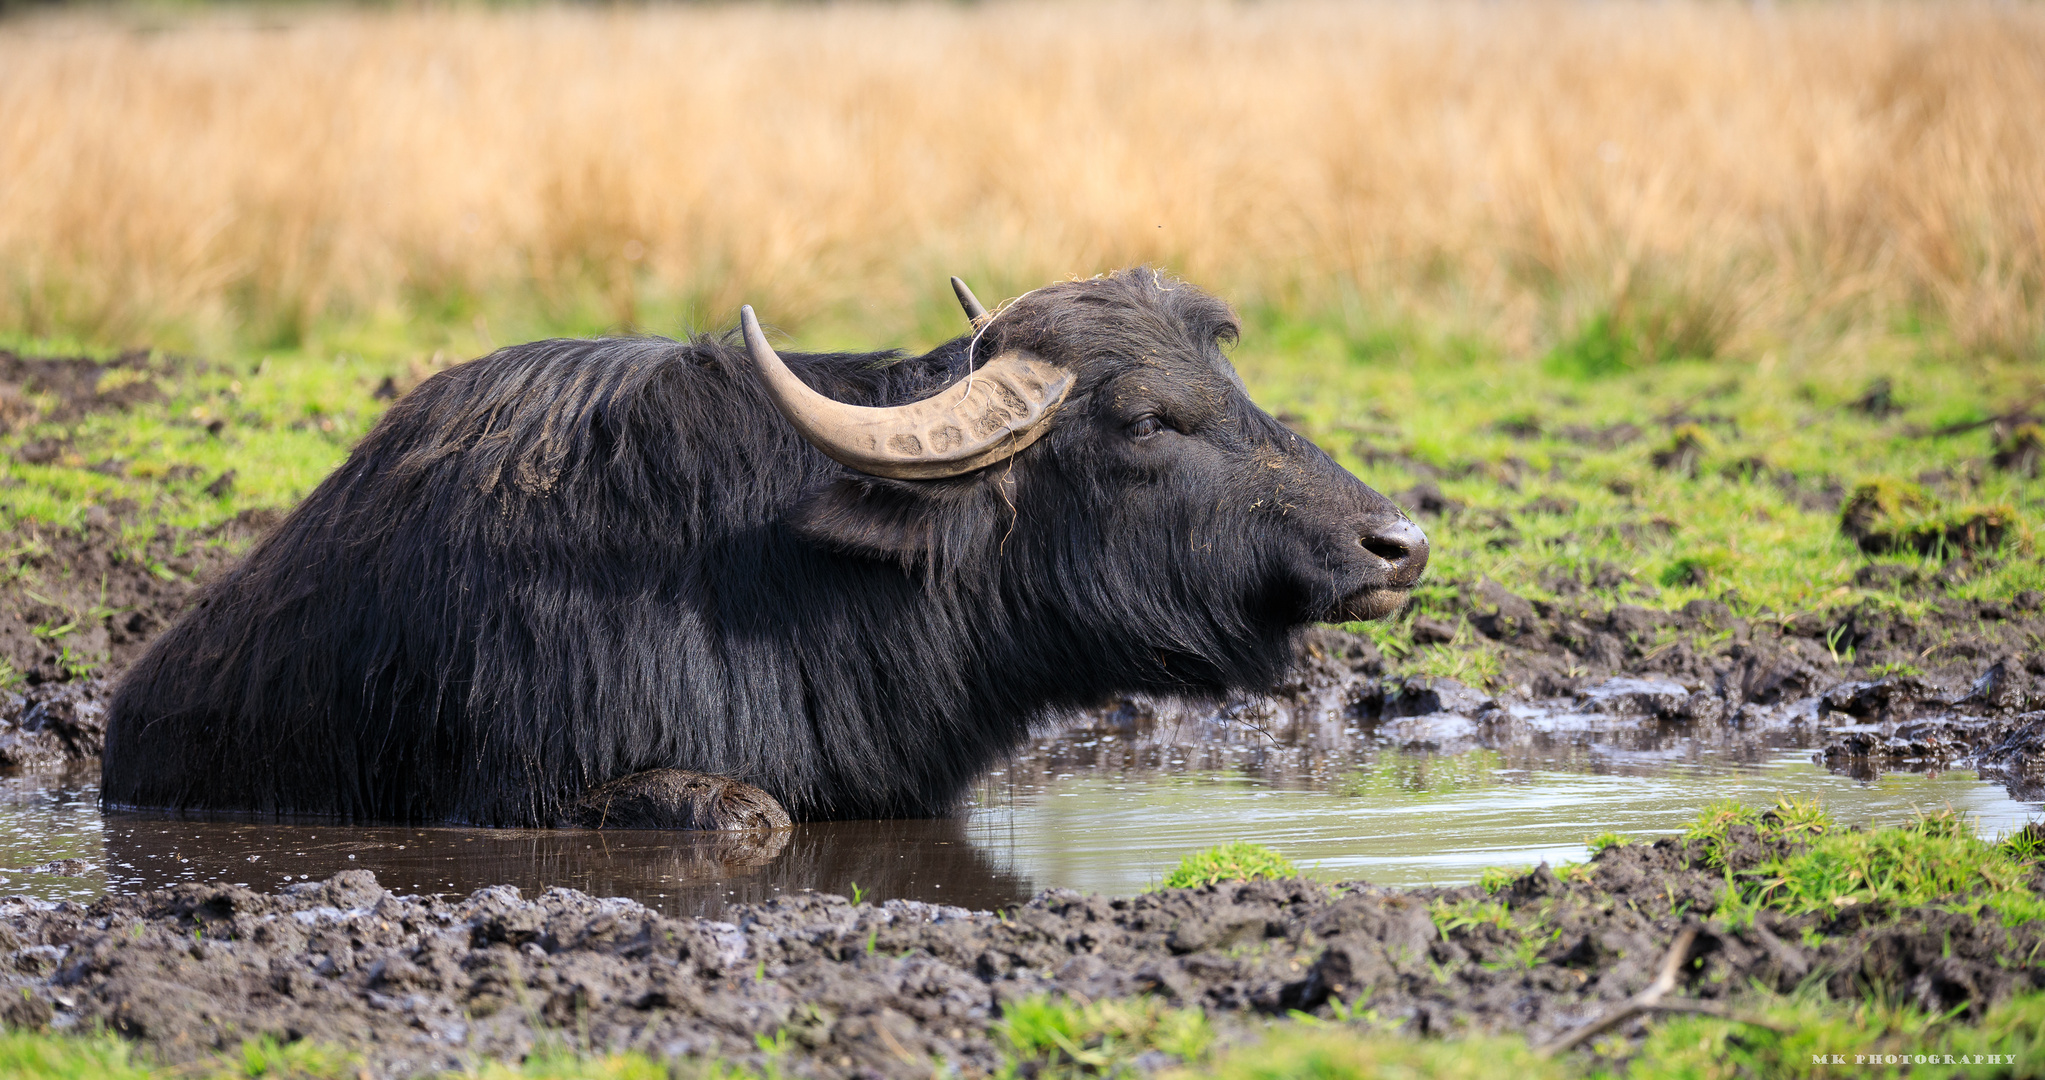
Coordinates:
(1753, 179)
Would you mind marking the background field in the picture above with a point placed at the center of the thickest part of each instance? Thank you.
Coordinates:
(1715, 179)
(1625, 283)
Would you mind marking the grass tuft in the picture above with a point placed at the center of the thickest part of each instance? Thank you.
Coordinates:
(1495, 879)
(1886, 516)
(563, 1065)
(1238, 860)
(1605, 840)
(1936, 859)
(46, 1057)
(2026, 844)
(1057, 1036)
(1791, 818)
(1453, 915)
(1714, 824)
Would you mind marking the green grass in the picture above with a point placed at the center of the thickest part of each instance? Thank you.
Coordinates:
(1528, 926)
(34, 1056)
(1057, 1036)
(1605, 840)
(1494, 879)
(1453, 915)
(1680, 1048)
(569, 1066)
(1237, 860)
(1791, 819)
(1312, 1053)
(287, 423)
(103, 1056)
(1937, 859)
(1816, 1031)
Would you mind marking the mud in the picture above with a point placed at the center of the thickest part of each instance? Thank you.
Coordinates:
(832, 988)
(53, 725)
(60, 389)
(81, 603)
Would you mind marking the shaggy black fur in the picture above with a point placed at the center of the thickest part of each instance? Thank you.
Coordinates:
(572, 561)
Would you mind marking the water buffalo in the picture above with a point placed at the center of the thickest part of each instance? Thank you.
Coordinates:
(636, 581)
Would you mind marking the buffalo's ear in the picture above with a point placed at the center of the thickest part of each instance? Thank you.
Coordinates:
(929, 523)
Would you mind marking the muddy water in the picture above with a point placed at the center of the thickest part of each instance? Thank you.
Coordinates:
(1108, 806)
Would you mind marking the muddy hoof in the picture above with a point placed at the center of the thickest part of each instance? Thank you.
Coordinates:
(674, 799)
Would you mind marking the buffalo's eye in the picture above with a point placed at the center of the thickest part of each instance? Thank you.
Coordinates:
(1145, 427)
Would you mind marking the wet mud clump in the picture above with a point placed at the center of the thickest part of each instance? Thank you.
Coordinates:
(831, 988)
(54, 724)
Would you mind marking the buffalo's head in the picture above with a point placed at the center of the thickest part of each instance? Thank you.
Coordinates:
(1105, 466)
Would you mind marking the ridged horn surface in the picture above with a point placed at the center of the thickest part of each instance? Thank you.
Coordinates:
(976, 312)
(983, 418)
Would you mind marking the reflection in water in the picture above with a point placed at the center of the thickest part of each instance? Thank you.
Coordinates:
(1112, 806)
(1118, 834)
(1109, 806)
(680, 873)
(1418, 775)
(49, 835)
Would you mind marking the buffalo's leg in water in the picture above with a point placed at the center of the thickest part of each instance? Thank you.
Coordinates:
(676, 799)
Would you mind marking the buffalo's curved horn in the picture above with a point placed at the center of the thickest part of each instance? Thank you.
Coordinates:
(983, 418)
(976, 312)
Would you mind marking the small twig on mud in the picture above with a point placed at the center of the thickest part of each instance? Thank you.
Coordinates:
(1713, 1008)
(1682, 409)
(2021, 412)
(1639, 1003)
(1660, 649)
(1792, 963)
(894, 1045)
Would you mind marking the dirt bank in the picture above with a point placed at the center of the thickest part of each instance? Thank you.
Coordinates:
(839, 989)
(81, 603)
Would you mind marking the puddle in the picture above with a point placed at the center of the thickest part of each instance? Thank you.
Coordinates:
(1109, 807)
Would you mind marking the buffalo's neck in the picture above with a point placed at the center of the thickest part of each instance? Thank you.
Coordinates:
(915, 688)
(907, 690)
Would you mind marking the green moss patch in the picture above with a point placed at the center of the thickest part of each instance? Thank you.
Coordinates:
(1236, 861)
(1887, 517)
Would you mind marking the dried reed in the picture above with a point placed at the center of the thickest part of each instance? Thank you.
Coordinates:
(1715, 176)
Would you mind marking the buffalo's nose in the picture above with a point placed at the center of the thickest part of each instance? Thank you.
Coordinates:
(1403, 547)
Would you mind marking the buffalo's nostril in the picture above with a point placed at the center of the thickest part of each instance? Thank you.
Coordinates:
(1400, 543)
(1386, 549)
